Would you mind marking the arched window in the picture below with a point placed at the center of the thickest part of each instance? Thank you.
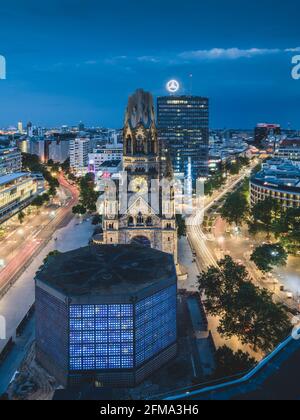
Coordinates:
(130, 221)
(128, 145)
(140, 219)
(149, 221)
(140, 145)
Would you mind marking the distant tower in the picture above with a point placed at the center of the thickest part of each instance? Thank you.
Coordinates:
(29, 130)
(143, 224)
(81, 126)
(20, 127)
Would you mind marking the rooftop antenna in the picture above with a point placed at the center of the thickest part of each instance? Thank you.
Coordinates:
(191, 83)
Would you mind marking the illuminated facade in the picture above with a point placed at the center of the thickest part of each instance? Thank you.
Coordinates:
(278, 179)
(16, 192)
(109, 326)
(79, 155)
(149, 224)
(183, 124)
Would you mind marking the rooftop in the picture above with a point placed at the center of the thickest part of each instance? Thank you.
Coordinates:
(12, 177)
(107, 270)
(280, 173)
(111, 164)
(290, 142)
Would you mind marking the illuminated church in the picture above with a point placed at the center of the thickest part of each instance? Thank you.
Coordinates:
(147, 221)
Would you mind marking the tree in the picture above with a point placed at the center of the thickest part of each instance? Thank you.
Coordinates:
(236, 208)
(32, 163)
(245, 311)
(265, 215)
(214, 183)
(181, 226)
(79, 210)
(229, 363)
(287, 229)
(21, 217)
(66, 166)
(266, 257)
(38, 201)
(51, 254)
(88, 195)
(97, 220)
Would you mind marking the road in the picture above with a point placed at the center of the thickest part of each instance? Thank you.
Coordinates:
(205, 255)
(196, 235)
(23, 243)
(208, 252)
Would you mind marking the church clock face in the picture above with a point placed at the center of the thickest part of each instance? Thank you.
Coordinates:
(139, 185)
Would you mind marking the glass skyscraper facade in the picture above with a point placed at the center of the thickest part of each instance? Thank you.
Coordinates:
(105, 337)
(183, 123)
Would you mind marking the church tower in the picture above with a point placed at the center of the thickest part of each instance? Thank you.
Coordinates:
(149, 218)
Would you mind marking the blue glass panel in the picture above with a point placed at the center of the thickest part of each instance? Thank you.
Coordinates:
(101, 311)
(75, 311)
(88, 311)
(101, 337)
(88, 363)
(75, 363)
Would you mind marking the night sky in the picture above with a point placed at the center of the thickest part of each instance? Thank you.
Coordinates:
(72, 60)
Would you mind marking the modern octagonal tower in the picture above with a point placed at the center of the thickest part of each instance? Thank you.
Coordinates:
(106, 314)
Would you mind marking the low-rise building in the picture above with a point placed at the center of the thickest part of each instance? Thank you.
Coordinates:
(16, 192)
(278, 179)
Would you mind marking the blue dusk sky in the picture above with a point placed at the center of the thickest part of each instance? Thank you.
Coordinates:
(72, 60)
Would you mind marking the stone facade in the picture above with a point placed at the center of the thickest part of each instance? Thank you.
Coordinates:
(144, 222)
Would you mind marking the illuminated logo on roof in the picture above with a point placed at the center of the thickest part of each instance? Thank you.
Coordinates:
(173, 86)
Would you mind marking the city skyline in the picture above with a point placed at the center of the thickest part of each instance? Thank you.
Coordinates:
(82, 71)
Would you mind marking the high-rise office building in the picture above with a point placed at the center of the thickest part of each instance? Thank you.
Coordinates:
(79, 154)
(183, 123)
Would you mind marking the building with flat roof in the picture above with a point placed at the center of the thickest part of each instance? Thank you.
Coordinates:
(278, 179)
(109, 152)
(183, 126)
(16, 192)
(106, 314)
(10, 160)
(79, 155)
(266, 133)
(289, 149)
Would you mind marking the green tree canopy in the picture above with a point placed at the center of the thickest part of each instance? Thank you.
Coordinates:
(265, 214)
(79, 210)
(236, 208)
(229, 363)
(245, 311)
(266, 257)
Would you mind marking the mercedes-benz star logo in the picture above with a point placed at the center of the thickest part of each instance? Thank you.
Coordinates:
(173, 86)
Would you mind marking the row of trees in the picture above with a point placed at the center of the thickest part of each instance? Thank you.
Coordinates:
(277, 222)
(245, 311)
(88, 196)
(32, 163)
(218, 180)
